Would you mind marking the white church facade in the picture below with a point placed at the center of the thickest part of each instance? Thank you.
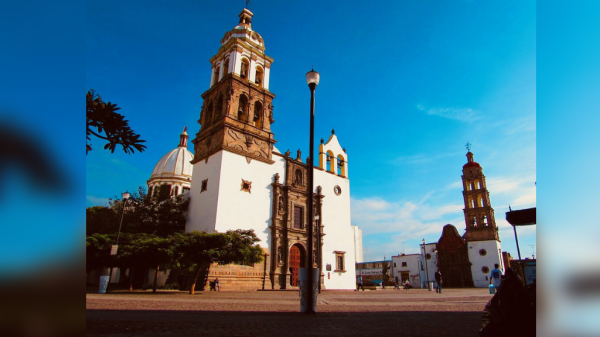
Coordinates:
(242, 181)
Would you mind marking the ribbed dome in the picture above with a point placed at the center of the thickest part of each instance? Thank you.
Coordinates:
(176, 163)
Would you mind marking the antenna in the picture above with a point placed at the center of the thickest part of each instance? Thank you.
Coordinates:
(532, 251)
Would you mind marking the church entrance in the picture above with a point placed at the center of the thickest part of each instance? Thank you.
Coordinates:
(296, 262)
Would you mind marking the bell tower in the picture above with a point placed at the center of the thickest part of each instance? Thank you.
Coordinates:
(237, 112)
(479, 214)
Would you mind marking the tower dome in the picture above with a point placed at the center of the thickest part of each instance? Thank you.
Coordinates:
(173, 170)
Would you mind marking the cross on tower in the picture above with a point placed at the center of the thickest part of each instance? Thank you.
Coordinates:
(468, 146)
(247, 3)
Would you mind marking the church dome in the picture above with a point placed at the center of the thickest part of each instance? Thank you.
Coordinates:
(176, 163)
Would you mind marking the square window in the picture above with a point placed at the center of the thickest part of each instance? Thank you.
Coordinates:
(403, 264)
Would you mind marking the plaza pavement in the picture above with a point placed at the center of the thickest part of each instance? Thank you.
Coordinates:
(416, 312)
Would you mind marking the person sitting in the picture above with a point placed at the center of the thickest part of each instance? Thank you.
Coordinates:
(407, 285)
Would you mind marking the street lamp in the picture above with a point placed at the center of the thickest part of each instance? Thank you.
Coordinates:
(426, 269)
(312, 79)
(113, 250)
(318, 228)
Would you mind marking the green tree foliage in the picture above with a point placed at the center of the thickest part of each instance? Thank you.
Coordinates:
(104, 122)
(143, 214)
(197, 250)
(193, 251)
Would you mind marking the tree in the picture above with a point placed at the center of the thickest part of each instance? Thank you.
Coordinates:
(104, 122)
(197, 250)
(143, 214)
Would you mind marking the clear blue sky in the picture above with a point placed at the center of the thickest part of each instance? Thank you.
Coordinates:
(405, 84)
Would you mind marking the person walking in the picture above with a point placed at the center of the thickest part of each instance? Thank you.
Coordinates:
(217, 287)
(496, 278)
(360, 285)
(438, 280)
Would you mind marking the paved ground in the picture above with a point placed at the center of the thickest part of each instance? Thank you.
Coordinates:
(416, 312)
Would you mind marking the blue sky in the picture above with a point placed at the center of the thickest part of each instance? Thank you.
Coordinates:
(405, 84)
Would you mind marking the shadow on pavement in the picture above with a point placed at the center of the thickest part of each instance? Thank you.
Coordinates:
(229, 323)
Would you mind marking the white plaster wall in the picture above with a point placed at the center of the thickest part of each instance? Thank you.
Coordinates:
(202, 211)
(242, 210)
(431, 266)
(412, 266)
(338, 229)
(358, 246)
(266, 77)
(493, 255)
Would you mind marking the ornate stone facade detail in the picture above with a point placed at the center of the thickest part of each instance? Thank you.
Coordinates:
(290, 197)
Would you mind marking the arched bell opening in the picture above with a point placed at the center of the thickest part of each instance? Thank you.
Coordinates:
(242, 108)
(244, 71)
(258, 76)
(258, 115)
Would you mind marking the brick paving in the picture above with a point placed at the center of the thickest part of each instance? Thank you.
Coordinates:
(417, 312)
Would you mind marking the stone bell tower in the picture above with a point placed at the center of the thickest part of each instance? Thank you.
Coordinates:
(479, 214)
(481, 234)
(238, 111)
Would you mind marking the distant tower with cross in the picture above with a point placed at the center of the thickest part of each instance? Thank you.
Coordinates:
(481, 233)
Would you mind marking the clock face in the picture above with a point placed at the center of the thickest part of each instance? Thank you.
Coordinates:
(337, 190)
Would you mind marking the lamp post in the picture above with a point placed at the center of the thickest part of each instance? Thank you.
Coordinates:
(318, 228)
(113, 250)
(312, 79)
(426, 269)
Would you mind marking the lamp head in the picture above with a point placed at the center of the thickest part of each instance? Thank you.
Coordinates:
(312, 77)
(125, 195)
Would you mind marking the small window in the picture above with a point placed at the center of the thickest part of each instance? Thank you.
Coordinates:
(485, 269)
(394, 264)
(246, 186)
(428, 256)
(298, 217)
(204, 185)
(484, 220)
(339, 259)
(328, 267)
(337, 190)
(482, 252)
(403, 264)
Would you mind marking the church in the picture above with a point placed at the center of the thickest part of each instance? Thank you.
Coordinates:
(466, 261)
(237, 179)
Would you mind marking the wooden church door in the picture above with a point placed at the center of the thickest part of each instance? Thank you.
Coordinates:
(295, 264)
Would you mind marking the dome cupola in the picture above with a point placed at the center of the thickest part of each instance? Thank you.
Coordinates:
(173, 169)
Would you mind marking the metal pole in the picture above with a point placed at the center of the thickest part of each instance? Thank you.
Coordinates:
(517, 239)
(426, 268)
(117, 244)
(311, 215)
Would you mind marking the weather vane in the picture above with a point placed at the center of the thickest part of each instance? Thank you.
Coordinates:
(468, 146)
(247, 3)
